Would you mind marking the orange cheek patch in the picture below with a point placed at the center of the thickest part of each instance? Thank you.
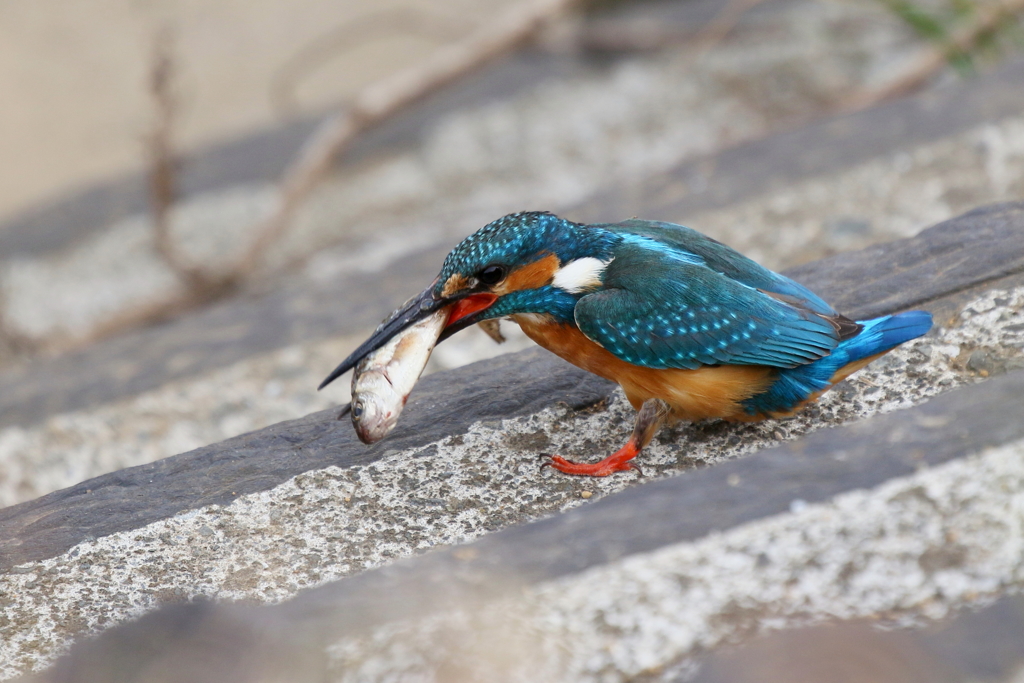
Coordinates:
(530, 276)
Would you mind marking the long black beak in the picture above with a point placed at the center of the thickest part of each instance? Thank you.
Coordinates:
(415, 309)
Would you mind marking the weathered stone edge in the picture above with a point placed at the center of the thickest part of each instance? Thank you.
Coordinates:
(820, 147)
(957, 255)
(231, 331)
(679, 509)
(448, 403)
(443, 405)
(984, 645)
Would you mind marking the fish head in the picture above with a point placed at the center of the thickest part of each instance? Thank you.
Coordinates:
(527, 262)
(374, 416)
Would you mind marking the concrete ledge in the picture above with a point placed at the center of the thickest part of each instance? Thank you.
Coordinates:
(585, 580)
(972, 251)
(653, 515)
(302, 503)
(232, 331)
(985, 645)
(821, 147)
(444, 405)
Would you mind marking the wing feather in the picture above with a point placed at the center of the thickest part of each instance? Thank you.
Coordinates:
(659, 311)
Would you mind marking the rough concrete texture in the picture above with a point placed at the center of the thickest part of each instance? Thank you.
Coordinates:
(335, 522)
(549, 146)
(186, 414)
(912, 549)
(888, 197)
(883, 199)
(974, 646)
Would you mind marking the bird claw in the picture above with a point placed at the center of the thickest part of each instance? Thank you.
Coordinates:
(610, 465)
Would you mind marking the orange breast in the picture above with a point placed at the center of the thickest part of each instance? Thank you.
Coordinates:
(693, 394)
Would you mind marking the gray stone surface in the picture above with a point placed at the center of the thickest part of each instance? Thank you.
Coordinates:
(946, 259)
(912, 549)
(880, 200)
(444, 405)
(982, 645)
(354, 509)
(233, 330)
(819, 148)
(643, 580)
(979, 248)
(728, 551)
(311, 308)
(646, 517)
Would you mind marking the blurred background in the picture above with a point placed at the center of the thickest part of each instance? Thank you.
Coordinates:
(222, 96)
(204, 206)
(160, 159)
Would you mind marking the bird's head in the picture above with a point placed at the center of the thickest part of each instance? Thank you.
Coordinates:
(528, 262)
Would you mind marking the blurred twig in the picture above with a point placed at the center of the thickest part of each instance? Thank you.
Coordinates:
(409, 20)
(616, 35)
(12, 344)
(934, 59)
(199, 284)
(374, 104)
(513, 27)
(162, 185)
(722, 25)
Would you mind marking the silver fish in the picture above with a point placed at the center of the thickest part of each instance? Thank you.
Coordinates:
(382, 381)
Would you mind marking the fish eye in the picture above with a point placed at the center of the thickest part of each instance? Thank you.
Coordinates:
(357, 410)
(491, 275)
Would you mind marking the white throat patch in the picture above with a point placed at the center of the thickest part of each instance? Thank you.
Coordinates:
(583, 273)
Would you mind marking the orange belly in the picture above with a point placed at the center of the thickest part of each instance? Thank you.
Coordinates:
(710, 391)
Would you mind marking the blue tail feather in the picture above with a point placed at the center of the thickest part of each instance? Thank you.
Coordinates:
(795, 385)
(887, 332)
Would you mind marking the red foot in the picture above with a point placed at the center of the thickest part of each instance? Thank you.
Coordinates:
(619, 461)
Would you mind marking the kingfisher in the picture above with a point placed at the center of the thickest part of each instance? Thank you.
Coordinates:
(688, 327)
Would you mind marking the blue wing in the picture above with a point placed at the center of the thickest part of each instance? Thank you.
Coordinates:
(720, 258)
(661, 307)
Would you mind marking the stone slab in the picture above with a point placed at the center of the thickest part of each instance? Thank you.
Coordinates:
(514, 562)
(949, 258)
(443, 405)
(982, 645)
(969, 251)
(447, 404)
(817, 148)
(815, 468)
(212, 338)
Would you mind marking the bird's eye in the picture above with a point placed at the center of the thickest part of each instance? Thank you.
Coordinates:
(491, 275)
